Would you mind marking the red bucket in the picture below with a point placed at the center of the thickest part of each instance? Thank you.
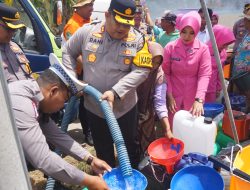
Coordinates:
(166, 152)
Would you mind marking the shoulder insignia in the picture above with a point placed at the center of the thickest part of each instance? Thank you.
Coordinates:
(95, 22)
(143, 58)
(130, 37)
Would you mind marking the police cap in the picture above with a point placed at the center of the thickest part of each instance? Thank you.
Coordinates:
(10, 16)
(124, 11)
(62, 72)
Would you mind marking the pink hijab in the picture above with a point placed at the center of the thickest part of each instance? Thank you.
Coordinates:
(191, 19)
(178, 20)
(223, 35)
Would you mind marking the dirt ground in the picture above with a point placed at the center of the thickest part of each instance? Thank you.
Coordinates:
(37, 179)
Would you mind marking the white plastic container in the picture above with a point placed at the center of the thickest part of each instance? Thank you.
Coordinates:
(197, 133)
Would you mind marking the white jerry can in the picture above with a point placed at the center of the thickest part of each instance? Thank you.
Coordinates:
(197, 133)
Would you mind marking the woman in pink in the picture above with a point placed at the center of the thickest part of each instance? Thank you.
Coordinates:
(224, 36)
(187, 66)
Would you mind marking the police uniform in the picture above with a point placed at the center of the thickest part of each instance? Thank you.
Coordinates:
(34, 133)
(14, 62)
(120, 65)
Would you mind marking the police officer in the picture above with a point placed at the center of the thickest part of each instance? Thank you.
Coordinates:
(115, 61)
(39, 98)
(14, 62)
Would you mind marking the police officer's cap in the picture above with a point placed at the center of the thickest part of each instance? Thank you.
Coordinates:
(10, 16)
(62, 72)
(124, 11)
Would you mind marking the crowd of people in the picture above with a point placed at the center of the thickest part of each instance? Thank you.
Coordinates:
(146, 70)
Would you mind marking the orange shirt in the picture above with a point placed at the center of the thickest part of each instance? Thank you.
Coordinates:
(75, 22)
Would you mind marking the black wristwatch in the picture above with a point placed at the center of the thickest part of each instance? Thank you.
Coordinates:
(199, 100)
(90, 160)
(115, 94)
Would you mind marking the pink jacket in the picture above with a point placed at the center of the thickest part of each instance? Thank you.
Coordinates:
(187, 68)
(223, 35)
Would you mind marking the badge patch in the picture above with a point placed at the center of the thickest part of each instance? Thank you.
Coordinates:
(15, 49)
(22, 58)
(92, 58)
(128, 11)
(27, 67)
(127, 52)
(175, 58)
(94, 47)
(127, 61)
(98, 35)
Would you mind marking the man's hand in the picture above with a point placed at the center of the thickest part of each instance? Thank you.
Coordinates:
(94, 182)
(109, 96)
(100, 166)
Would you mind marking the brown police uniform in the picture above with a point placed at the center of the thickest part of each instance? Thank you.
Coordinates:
(108, 64)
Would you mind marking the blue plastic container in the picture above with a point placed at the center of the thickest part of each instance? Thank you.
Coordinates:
(116, 181)
(213, 109)
(238, 102)
(193, 159)
(197, 178)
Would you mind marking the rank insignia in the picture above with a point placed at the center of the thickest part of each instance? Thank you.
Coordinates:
(127, 52)
(98, 35)
(94, 47)
(92, 58)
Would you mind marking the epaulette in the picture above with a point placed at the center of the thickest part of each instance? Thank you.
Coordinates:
(143, 36)
(139, 31)
(95, 22)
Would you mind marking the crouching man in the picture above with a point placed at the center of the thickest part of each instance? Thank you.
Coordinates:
(32, 102)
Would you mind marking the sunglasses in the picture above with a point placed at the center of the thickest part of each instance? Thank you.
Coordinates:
(7, 28)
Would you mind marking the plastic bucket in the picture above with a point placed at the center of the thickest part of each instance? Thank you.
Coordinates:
(166, 152)
(242, 123)
(212, 109)
(116, 181)
(242, 81)
(197, 178)
(242, 163)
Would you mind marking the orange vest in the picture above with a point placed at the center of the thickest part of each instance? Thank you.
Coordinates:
(75, 22)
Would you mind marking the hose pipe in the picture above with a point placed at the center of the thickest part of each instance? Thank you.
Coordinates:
(114, 130)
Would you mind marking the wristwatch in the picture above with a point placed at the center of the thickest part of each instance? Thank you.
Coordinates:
(90, 160)
(199, 100)
(115, 94)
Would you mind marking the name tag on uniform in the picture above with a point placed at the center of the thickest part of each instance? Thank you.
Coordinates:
(175, 58)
